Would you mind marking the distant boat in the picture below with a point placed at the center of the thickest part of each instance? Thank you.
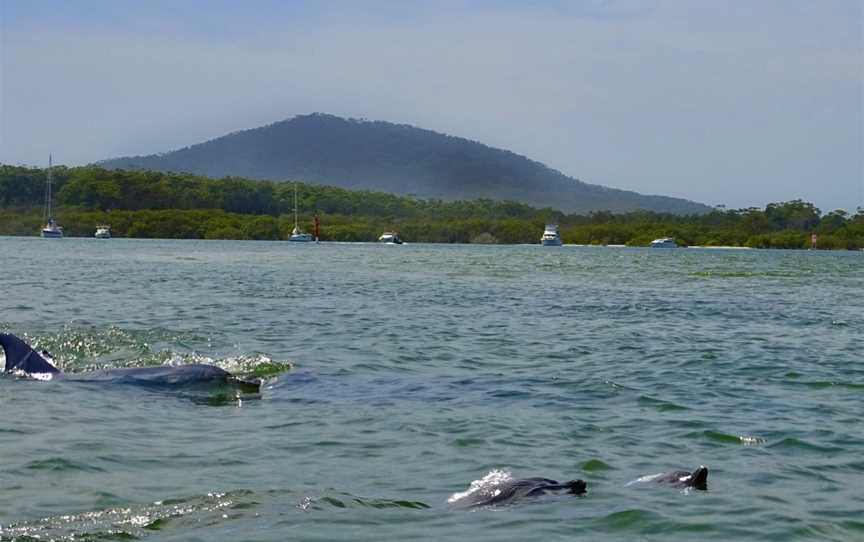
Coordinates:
(390, 238)
(551, 236)
(297, 234)
(51, 229)
(300, 236)
(103, 232)
(665, 242)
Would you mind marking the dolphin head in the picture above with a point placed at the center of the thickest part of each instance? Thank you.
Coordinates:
(699, 478)
(20, 357)
(576, 487)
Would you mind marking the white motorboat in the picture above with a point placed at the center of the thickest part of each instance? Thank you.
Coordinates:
(390, 238)
(551, 236)
(665, 242)
(298, 235)
(51, 230)
(103, 232)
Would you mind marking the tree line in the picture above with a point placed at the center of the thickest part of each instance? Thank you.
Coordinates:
(150, 204)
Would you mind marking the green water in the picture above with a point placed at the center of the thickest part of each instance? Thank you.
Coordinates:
(397, 375)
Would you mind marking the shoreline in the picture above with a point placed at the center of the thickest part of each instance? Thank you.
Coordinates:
(575, 245)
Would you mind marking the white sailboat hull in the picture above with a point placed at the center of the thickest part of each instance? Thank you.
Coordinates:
(49, 233)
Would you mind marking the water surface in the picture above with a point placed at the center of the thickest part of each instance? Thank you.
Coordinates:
(417, 369)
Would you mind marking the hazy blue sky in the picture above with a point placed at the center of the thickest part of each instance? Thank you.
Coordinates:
(733, 102)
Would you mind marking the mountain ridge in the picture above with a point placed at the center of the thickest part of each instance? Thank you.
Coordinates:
(396, 158)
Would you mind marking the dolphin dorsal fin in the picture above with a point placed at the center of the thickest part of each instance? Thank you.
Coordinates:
(20, 357)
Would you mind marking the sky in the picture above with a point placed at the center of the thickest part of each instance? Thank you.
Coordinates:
(726, 102)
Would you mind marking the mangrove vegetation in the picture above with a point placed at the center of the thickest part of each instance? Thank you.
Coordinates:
(148, 204)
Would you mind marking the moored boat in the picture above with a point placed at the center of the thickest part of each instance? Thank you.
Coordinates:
(51, 230)
(298, 235)
(103, 231)
(551, 236)
(390, 238)
(665, 242)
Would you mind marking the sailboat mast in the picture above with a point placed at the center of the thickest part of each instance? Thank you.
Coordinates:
(47, 210)
(50, 183)
(295, 205)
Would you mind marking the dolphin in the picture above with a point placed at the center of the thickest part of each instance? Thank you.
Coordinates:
(510, 491)
(20, 357)
(697, 479)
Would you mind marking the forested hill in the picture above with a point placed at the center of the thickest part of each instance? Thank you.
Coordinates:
(394, 158)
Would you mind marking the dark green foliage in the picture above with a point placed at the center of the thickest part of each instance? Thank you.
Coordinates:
(21, 186)
(394, 158)
(169, 205)
(796, 215)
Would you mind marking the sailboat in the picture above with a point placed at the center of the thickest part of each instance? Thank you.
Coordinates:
(51, 229)
(297, 234)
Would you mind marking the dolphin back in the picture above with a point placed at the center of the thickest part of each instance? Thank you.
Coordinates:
(20, 357)
(511, 491)
(196, 374)
(681, 478)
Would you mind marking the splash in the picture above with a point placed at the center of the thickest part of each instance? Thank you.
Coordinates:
(130, 522)
(748, 440)
(81, 351)
(485, 486)
(45, 377)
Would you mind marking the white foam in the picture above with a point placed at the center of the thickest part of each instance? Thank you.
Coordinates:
(491, 480)
(45, 377)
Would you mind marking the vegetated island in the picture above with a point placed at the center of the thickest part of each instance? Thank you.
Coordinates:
(148, 204)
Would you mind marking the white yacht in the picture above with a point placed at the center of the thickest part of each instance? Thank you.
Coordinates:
(551, 236)
(103, 232)
(298, 235)
(665, 242)
(51, 230)
(390, 238)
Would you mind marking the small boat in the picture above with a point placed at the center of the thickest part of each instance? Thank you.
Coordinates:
(665, 242)
(551, 236)
(390, 238)
(103, 232)
(51, 230)
(298, 235)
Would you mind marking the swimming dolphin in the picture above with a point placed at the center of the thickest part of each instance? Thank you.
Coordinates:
(21, 358)
(681, 478)
(509, 491)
